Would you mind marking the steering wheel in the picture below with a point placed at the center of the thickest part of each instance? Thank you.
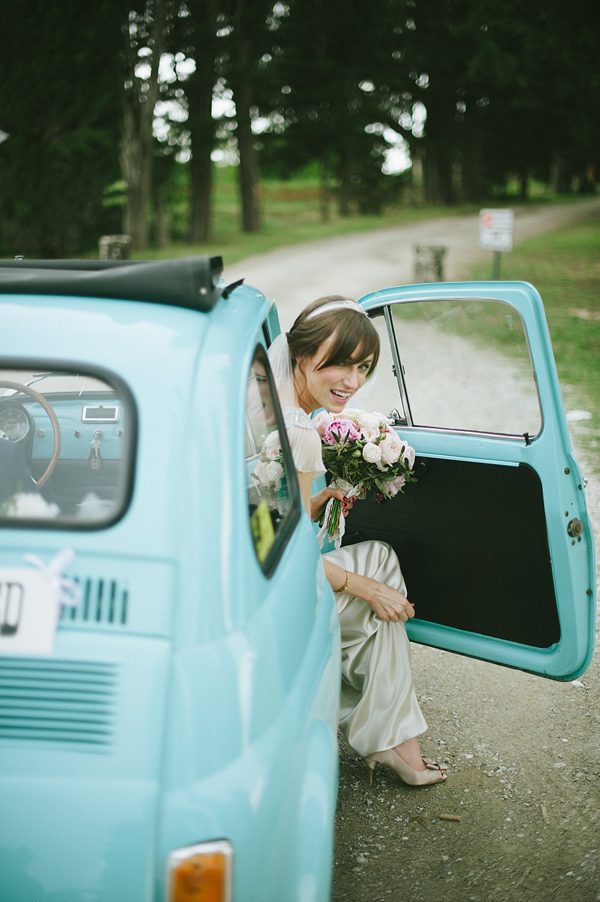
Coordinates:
(53, 419)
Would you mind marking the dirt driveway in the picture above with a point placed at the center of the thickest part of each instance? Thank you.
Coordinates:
(353, 265)
(519, 816)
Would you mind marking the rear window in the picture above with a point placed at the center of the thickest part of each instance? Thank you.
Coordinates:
(274, 503)
(66, 447)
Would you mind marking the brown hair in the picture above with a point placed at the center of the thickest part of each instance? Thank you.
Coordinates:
(355, 335)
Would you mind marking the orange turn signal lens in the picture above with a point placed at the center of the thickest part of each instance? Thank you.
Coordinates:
(200, 873)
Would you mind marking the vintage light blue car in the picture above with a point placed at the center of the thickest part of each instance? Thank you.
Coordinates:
(174, 733)
(169, 648)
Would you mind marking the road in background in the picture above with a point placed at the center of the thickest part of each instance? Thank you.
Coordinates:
(518, 820)
(356, 264)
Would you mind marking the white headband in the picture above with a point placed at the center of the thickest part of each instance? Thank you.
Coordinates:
(337, 305)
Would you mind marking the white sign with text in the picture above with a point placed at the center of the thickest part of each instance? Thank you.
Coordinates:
(496, 229)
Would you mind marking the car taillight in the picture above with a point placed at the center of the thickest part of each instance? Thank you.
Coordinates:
(200, 873)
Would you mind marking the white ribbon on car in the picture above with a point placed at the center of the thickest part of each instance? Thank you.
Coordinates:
(66, 591)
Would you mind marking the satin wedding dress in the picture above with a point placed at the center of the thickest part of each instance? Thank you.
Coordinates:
(378, 707)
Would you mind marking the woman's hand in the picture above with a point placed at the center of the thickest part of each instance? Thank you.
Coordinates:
(386, 602)
(320, 499)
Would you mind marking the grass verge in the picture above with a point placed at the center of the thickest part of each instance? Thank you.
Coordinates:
(564, 266)
(291, 214)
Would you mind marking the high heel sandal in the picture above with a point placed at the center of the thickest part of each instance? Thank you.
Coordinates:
(433, 773)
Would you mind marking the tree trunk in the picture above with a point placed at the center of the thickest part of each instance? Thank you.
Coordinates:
(201, 129)
(344, 175)
(199, 91)
(248, 168)
(324, 190)
(556, 172)
(470, 185)
(162, 226)
(437, 176)
(137, 140)
(523, 186)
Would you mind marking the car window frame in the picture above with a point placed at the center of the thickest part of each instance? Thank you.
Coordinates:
(130, 443)
(292, 517)
(406, 420)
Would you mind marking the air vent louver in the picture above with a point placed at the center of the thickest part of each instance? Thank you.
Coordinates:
(103, 601)
(57, 701)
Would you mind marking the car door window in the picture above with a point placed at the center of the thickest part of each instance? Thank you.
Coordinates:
(457, 364)
(66, 447)
(273, 495)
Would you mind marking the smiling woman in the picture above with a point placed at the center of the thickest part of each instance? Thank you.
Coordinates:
(323, 360)
(332, 352)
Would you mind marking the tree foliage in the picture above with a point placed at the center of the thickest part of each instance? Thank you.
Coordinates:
(60, 103)
(506, 89)
(480, 91)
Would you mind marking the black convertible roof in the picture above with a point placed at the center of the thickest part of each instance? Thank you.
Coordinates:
(185, 282)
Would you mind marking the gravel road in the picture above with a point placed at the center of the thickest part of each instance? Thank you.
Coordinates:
(353, 265)
(519, 816)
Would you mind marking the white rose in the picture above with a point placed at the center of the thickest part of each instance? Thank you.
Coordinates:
(409, 455)
(260, 473)
(272, 445)
(369, 434)
(322, 419)
(391, 448)
(394, 485)
(275, 473)
(367, 420)
(372, 454)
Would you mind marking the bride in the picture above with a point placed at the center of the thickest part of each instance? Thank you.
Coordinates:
(328, 354)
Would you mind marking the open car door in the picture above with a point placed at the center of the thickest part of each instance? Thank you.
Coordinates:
(493, 537)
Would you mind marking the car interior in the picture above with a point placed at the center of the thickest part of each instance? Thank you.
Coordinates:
(70, 432)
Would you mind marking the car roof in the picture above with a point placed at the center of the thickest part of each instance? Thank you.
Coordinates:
(189, 282)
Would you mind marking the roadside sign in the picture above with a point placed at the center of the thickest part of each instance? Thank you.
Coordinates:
(496, 229)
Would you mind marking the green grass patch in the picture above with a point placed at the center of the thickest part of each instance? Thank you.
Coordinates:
(564, 266)
(291, 214)
(289, 220)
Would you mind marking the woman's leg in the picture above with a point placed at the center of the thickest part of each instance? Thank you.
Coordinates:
(379, 709)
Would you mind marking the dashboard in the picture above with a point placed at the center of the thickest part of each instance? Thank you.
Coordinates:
(73, 432)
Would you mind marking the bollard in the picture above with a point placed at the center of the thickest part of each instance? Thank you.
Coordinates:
(429, 259)
(115, 247)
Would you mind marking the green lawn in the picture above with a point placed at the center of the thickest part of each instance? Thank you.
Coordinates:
(291, 214)
(564, 266)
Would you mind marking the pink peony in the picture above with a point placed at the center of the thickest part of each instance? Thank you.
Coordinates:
(340, 430)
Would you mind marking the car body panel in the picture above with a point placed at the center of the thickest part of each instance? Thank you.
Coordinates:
(224, 681)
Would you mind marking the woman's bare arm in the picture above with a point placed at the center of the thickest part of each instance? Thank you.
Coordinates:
(387, 603)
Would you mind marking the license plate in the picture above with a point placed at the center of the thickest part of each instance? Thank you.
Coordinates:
(28, 612)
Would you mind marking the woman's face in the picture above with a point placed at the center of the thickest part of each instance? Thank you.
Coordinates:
(331, 387)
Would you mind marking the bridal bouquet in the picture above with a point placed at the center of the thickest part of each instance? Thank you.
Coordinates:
(362, 453)
(269, 475)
